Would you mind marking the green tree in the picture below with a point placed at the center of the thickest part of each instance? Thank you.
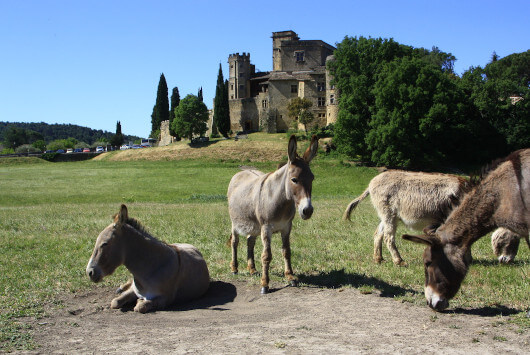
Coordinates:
(199, 94)
(117, 139)
(175, 100)
(161, 109)
(299, 109)
(191, 116)
(15, 136)
(221, 112)
(40, 145)
(418, 115)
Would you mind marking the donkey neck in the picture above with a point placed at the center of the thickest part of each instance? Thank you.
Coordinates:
(143, 252)
(472, 219)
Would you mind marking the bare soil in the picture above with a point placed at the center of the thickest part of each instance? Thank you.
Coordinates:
(235, 318)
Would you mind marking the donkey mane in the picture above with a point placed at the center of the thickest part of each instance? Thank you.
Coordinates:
(135, 224)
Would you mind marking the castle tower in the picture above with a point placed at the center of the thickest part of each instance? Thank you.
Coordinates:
(277, 39)
(239, 76)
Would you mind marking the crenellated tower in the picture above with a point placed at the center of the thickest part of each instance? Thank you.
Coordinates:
(239, 76)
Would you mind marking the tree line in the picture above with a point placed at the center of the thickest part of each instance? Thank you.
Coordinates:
(405, 106)
(188, 117)
(43, 136)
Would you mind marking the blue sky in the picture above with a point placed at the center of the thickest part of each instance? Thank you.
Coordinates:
(93, 63)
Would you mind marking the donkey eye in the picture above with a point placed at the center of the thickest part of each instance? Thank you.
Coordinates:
(104, 244)
(294, 180)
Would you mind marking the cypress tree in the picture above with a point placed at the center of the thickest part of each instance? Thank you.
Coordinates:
(221, 114)
(161, 110)
(199, 94)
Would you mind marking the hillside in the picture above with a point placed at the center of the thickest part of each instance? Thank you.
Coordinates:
(51, 132)
(258, 147)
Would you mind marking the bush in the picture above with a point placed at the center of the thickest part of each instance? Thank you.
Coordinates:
(27, 148)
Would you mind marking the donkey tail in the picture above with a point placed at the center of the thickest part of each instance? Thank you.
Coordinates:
(354, 204)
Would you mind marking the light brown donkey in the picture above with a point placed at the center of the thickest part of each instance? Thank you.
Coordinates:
(263, 204)
(163, 274)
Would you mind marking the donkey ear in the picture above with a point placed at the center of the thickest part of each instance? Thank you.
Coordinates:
(122, 216)
(421, 239)
(291, 150)
(311, 150)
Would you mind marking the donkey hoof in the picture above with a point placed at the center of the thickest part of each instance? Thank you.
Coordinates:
(119, 290)
(293, 283)
(234, 272)
(265, 290)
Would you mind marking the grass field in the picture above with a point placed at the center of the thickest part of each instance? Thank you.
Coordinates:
(51, 214)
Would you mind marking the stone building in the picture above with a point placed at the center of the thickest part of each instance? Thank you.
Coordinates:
(258, 101)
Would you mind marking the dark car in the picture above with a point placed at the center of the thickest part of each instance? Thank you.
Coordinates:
(59, 151)
(78, 150)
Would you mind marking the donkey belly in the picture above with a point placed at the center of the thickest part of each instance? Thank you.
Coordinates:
(193, 276)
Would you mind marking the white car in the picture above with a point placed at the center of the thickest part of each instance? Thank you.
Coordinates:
(100, 149)
(125, 147)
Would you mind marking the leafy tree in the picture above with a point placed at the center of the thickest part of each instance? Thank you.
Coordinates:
(161, 109)
(199, 94)
(221, 112)
(299, 109)
(417, 117)
(191, 116)
(40, 145)
(14, 136)
(175, 100)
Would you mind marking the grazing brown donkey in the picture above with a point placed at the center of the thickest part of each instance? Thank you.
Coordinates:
(417, 199)
(502, 199)
(263, 204)
(163, 274)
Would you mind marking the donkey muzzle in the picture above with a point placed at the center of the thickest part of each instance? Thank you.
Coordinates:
(305, 208)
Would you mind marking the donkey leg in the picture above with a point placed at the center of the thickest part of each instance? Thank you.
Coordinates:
(390, 241)
(286, 251)
(126, 297)
(266, 258)
(144, 306)
(234, 241)
(251, 242)
(378, 244)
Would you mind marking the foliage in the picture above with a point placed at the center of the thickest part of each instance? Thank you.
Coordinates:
(27, 148)
(15, 136)
(299, 109)
(51, 132)
(404, 106)
(191, 116)
(175, 100)
(117, 140)
(6, 151)
(62, 144)
(161, 108)
(199, 94)
(221, 112)
(40, 145)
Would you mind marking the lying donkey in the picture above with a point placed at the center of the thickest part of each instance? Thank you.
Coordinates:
(163, 274)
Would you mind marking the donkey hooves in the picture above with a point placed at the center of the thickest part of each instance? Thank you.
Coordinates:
(234, 272)
(265, 290)
(293, 283)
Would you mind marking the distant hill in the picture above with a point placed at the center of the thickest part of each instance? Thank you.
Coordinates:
(51, 132)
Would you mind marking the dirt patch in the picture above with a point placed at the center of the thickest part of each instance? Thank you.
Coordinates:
(235, 318)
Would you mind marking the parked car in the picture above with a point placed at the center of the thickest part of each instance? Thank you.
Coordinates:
(50, 151)
(69, 150)
(125, 147)
(78, 150)
(136, 146)
(100, 149)
(59, 151)
(86, 150)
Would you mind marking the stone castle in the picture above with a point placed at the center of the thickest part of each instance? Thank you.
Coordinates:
(258, 101)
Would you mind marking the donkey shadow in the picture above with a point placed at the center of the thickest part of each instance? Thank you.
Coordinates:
(218, 294)
(339, 278)
(487, 311)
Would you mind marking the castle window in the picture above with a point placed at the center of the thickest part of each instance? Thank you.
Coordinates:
(241, 75)
(321, 101)
(321, 115)
(232, 87)
(294, 89)
(264, 103)
(299, 55)
(332, 99)
(321, 86)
